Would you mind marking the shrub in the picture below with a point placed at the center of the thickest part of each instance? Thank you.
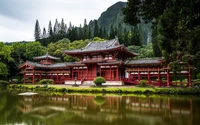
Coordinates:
(198, 76)
(46, 81)
(142, 83)
(4, 83)
(99, 80)
(196, 82)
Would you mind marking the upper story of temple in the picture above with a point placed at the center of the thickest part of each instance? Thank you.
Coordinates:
(105, 51)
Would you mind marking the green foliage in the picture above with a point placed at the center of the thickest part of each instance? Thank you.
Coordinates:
(175, 33)
(37, 32)
(5, 59)
(143, 51)
(3, 69)
(46, 81)
(97, 39)
(4, 83)
(99, 80)
(34, 49)
(142, 83)
(198, 76)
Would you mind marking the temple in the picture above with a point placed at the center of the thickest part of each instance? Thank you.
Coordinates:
(108, 59)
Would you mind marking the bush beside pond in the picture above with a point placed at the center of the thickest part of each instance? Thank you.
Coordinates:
(46, 81)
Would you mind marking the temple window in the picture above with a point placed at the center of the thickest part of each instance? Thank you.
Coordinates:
(108, 56)
(85, 58)
(96, 57)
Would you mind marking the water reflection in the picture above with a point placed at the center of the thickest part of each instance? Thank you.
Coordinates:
(88, 109)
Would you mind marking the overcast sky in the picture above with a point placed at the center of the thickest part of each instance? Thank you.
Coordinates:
(18, 17)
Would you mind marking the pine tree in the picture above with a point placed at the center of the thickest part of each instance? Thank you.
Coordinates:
(56, 27)
(62, 25)
(135, 38)
(112, 32)
(44, 35)
(85, 30)
(96, 29)
(104, 33)
(37, 33)
(50, 30)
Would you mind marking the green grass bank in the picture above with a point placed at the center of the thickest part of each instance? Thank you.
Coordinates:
(105, 89)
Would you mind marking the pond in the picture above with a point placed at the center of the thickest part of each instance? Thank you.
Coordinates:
(77, 109)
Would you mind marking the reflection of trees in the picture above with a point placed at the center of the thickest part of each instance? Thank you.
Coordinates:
(9, 112)
(2, 102)
(79, 109)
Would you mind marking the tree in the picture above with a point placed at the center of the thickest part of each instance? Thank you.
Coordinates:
(44, 35)
(5, 59)
(62, 25)
(177, 23)
(56, 27)
(135, 38)
(96, 28)
(34, 49)
(50, 30)
(112, 32)
(37, 33)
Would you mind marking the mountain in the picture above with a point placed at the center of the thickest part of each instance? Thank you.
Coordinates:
(114, 16)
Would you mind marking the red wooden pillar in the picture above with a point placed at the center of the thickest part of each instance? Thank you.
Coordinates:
(24, 78)
(63, 79)
(33, 77)
(168, 79)
(40, 76)
(87, 72)
(56, 77)
(110, 73)
(149, 80)
(117, 72)
(100, 70)
(72, 73)
(77, 74)
(189, 79)
(159, 81)
(138, 74)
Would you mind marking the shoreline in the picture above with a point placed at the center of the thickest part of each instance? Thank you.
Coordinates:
(107, 89)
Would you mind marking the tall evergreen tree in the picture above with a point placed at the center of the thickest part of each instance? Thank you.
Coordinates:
(96, 29)
(50, 30)
(85, 29)
(112, 32)
(56, 27)
(135, 38)
(44, 35)
(62, 25)
(37, 33)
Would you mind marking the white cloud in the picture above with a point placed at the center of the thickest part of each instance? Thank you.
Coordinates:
(18, 16)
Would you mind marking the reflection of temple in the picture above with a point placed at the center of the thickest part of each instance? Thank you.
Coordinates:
(108, 59)
(113, 109)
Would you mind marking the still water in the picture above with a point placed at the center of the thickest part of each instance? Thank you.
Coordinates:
(69, 109)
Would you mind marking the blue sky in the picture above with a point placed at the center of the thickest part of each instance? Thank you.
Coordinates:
(18, 17)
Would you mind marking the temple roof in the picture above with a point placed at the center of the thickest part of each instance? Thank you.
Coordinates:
(38, 65)
(111, 63)
(55, 65)
(91, 46)
(103, 47)
(46, 56)
(146, 61)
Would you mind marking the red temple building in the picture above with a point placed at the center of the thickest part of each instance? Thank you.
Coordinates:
(108, 59)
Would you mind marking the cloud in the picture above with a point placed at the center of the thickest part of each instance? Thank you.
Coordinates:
(18, 16)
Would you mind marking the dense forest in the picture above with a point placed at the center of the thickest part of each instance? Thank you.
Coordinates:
(175, 35)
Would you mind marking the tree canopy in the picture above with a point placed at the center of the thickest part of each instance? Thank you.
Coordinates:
(176, 25)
